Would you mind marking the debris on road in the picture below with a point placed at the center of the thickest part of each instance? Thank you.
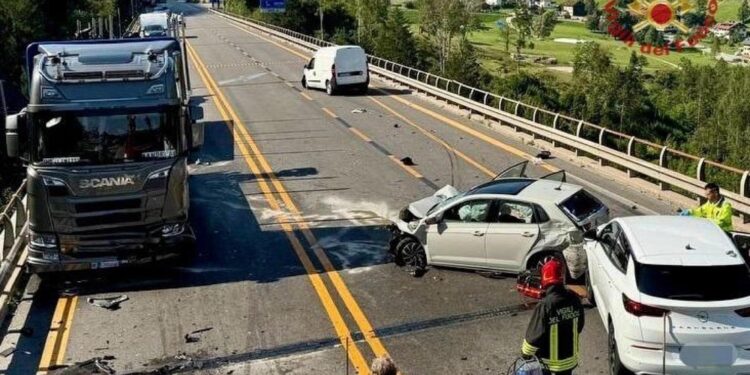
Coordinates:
(395, 125)
(26, 331)
(407, 161)
(195, 335)
(359, 110)
(544, 154)
(109, 303)
(7, 350)
(98, 365)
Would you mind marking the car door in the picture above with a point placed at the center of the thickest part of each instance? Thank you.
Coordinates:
(458, 239)
(597, 259)
(613, 272)
(511, 233)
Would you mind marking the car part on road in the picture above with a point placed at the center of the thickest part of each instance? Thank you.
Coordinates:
(195, 335)
(99, 365)
(523, 366)
(109, 303)
(408, 161)
(544, 155)
(359, 110)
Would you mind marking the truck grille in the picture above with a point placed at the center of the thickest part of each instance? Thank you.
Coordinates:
(82, 75)
(114, 218)
(124, 74)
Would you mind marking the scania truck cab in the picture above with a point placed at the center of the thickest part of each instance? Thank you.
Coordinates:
(105, 137)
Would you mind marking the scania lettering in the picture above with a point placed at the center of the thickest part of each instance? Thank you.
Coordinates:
(105, 138)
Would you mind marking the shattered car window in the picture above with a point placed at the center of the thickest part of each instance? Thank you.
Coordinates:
(469, 212)
(514, 212)
(445, 203)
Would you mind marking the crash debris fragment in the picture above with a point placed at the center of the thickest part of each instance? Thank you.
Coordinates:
(359, 110)
(544, 154)
(195, 335)
(407, 161)
(109, 303)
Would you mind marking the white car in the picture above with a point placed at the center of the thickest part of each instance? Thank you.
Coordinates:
(509, 224)
(337, 68)
(674, 294)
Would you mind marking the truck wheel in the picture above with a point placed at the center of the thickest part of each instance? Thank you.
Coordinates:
(615, 365)
(330, 88)
(412, 256)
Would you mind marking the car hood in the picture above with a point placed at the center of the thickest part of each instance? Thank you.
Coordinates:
(419, 208)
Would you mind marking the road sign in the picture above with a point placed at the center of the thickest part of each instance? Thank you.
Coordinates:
(272, 6)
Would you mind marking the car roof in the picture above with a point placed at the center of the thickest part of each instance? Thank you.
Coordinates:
(528, 188)
(678, 241)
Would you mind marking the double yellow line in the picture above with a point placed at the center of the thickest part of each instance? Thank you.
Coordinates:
(279, 199)
(59, 333)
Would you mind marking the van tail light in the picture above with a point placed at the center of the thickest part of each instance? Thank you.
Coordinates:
(745, 313)
(639, 309)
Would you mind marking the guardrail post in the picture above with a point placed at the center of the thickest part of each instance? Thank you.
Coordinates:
(486, 95)
(700, 174)
(554, 126)
(20, 212)
(662, 163)
(515, 113)
(578, 134)
(745, 192)
(631, 142)
(601, 142)
(533, 117)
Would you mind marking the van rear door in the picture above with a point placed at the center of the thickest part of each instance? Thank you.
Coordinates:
(351, 66)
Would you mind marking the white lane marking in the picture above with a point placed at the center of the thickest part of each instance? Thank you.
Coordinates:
(242, 79)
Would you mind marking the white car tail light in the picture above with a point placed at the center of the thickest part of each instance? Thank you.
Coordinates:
(638, 309)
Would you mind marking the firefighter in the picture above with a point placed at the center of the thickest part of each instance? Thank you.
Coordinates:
(716, 208)
(552, 335)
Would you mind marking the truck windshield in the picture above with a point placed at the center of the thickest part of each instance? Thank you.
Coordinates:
(93, 138)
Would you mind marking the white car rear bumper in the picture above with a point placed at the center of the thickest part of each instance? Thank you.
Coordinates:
(648, 361)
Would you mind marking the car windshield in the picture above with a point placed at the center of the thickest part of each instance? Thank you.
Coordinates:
(152, 28)
(444, 203)
(581, 205)
(694, 283)
(92, 138)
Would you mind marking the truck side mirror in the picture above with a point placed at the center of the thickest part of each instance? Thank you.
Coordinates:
(15, 127)
(196, 113)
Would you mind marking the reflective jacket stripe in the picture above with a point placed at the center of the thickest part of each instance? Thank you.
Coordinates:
(528, 349)
(575, 337)
(553, 343)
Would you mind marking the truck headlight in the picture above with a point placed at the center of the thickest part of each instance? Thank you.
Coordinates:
(161, 173)
(171, 230)
(42, 240)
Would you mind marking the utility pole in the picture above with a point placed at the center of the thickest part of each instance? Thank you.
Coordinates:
(320, 10)
(111, 28)
(119, 23)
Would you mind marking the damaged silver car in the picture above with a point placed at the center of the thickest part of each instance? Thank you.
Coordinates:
(509, 224)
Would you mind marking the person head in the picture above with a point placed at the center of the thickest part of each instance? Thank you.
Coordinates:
(713, 193)
(553, 273)
(383, 366)
(505, 209)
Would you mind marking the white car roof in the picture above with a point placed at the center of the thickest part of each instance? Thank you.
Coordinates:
(678, 241)
(548, 191)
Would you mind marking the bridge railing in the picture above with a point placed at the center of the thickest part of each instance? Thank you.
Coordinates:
(13, 229)
(637, 157)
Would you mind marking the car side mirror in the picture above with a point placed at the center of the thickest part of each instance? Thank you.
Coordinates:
(591, 234)
(15, 127)
(433, 219)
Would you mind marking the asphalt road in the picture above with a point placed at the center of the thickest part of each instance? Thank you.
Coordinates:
(289, 196)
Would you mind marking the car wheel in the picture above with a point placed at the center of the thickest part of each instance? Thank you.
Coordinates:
(330, 88)
(615, 365)
(412, 255)
(590, 291)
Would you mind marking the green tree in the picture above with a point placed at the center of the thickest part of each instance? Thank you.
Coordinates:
(395, 41)
(743, 13)
(370, 15)
(441, 22)
(463, 65)
(545, 24)
(523, 23)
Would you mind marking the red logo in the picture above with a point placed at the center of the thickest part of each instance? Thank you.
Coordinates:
(660, 14)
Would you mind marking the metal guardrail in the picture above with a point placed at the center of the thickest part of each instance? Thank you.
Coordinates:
(14, 225)
(604, 144)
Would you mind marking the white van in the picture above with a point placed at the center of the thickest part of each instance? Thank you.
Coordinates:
(154, 24)
(337, 68)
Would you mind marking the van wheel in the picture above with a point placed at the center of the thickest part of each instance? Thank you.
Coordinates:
(411, 254)
(304, 82)
(362, 89)
(615, 365)
(330, 88)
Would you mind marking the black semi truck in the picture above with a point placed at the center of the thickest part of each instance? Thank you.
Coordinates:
(105, 138)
